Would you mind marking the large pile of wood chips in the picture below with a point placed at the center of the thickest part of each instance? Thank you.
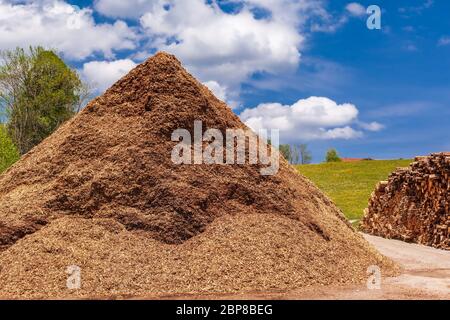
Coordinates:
(102, 194)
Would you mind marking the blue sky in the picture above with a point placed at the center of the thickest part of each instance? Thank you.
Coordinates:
(381, 93)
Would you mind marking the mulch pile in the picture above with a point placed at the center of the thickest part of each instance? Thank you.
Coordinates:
(102, 193)
(414, 204)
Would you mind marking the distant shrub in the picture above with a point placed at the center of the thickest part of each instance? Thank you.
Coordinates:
(8, 151)
(332, 156)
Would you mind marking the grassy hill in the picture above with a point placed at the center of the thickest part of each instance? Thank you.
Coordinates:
(350, 184)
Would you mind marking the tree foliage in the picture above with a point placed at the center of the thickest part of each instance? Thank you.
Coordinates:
(8, 151)
(332, 156)
(285, 150)
(38, 92)
(296, 154)
(304, 154)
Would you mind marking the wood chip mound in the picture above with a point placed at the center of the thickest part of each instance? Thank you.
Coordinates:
(102, 194)
(414, 204)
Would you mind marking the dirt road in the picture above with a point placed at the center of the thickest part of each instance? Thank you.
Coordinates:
(426, 275)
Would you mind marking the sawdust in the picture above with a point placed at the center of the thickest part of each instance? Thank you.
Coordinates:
(102, 193)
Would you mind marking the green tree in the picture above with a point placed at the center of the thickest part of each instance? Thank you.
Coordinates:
(295, 154)
(305, 155)
(39, 92)
(332, 156)
(285, 150)
(8, 151)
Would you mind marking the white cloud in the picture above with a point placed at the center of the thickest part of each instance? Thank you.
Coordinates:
(331, 25)
(216, 46)
(124, 9)
(227, 48)
(372, 126)
(224, 47)
(444, 41)
(219, 91)
(307, 119)
(102, 74)
(57, 24)
(346, 133)
(356, 9)
(222, 93)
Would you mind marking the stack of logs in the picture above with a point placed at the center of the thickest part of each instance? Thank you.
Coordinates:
(413, 205)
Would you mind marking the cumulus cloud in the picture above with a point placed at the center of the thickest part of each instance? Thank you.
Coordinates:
(219, 91)
(346, 133)
(371, 126)
(314, 118)
(356, 9)
(102, 74)
(124, 9)
(331, 23)
(224, 47)
(57, 24)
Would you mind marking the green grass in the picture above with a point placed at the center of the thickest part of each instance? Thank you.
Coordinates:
(349, 185)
